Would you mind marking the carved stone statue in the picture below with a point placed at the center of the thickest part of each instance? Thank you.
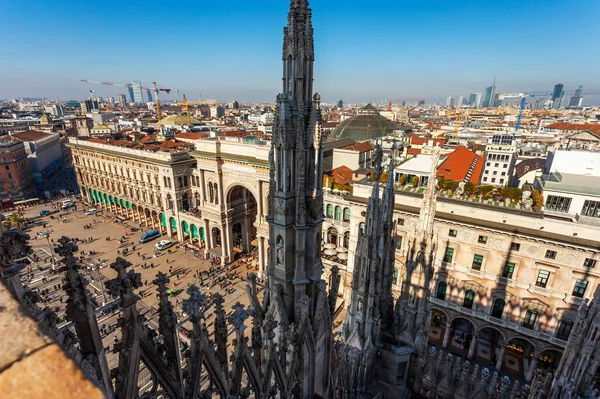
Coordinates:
(461, 188)
(280, 250)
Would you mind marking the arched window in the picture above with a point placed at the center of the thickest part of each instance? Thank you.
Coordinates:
(216, 194)
(338, 213)
(395, 280)
(347, 240)
(330, 211)
(441, 291)
(498, 308)
(346, 214)
(564, 329)
(180, 181)
(185, 181)
(469, 298)
(361, 227)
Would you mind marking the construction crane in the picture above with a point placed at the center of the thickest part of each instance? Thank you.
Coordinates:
(113, 84)
(186, 106)
(454, 136)
(156, 91)
(547, 93)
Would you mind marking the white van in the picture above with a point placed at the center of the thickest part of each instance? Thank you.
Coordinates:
(67, 204)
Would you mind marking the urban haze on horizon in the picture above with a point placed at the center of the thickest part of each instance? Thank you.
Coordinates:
(366, 52)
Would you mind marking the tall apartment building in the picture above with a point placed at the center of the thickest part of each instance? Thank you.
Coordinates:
(475, 100)
(449, 102)
(122, 100)
(557, 96)
(16, 180)
(500, 159)
(489, 96)
(138, 94)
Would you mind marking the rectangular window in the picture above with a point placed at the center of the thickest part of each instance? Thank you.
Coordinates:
(400, 222)
(9, 175)
(501, 181)
(530, 318)
(503, 173)
(496, 165)
(398, 243)
(542, 278)
(589, 263)
(558, 204)
(452, 233)
(482, 240)
(580, 287)
(448, 255)
(515, 246)
(493, 180)
(591, 209)
(505, 166)
(550, 254)
(509, 269)
(477, 262)
(485, 178)
(564, 330)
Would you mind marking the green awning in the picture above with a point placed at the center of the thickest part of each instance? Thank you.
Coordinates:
(194, 231)
(163, 220)
(186, 227)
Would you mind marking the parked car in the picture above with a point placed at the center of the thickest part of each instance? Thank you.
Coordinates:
(164, 244)
(44, 212)
(91, 211)
(149, 236)
(67, 204)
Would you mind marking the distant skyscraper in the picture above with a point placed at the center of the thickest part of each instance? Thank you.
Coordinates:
(138, 95)
(421, 102)
(130, 90)
(576, 100)
(460, 101)
(341, 103)
(475, 100)
(489, 95)
(149, 95)
(122, 100)
(449, 102)
(557, 96)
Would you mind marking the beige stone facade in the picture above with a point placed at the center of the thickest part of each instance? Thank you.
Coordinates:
(507, 285)
(213, 197)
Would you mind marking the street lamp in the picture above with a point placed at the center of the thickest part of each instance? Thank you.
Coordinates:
(46, 234)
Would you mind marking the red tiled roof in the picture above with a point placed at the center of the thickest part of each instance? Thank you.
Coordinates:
(414, 140)
(360, 147)
(170, 144)
(233, 133)
(594, 128)
(148, 138)
(190, 136)
(529, 165)
(30, 135)
(99, 141)
(457, 165)
(341, 175)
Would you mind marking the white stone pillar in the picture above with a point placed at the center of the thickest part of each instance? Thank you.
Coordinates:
(472, 347)
(446, 335)
(532, 367)
(500, 358)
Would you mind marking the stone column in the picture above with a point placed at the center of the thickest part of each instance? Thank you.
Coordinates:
(532, 367)
(207, 235)
(446, 335)
(472, 347)
(227, 240)
(261, 256)
(245, 235)
(500, 357)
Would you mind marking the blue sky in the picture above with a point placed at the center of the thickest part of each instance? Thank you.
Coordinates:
(366, 50)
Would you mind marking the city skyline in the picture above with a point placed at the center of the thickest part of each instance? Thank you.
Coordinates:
(397, 50)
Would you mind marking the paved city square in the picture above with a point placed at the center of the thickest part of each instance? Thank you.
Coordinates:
(100, 244)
